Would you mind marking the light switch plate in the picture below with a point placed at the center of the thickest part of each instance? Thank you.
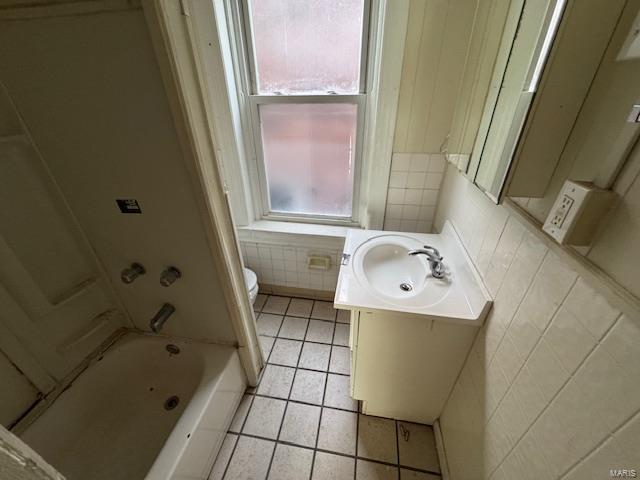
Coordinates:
(576, 213)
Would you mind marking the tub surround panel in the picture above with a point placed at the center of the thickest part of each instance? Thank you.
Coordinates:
(547, 390)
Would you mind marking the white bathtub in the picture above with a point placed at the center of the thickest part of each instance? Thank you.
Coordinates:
(112, 422)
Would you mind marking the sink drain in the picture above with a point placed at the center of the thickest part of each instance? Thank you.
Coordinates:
(406, 287)
(171, 402)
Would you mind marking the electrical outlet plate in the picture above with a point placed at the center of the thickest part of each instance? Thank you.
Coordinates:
(577, 212)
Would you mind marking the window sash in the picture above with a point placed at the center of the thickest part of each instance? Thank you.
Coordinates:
(253, 66)
(257, 172)
(262, 185)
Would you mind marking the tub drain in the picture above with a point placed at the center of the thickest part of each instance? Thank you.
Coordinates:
(171, 402)
(406, 287)
(172, 349)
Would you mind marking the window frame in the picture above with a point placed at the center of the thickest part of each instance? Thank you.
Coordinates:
(252, 101)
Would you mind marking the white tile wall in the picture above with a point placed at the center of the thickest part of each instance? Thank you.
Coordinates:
(550, 389)
(414, 183)
(286, 265)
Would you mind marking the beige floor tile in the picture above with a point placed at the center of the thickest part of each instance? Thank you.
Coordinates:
(338, 431)
(324, 311)
(315, 356)
(266, 344)
(320, 331)
(285, 352)
(300, 424)
(276, 381)
(340, 360)
(275, 304)
(291, 463)
(375, 471)
(332, 467)
(259, 303)
(337, 393)
(293, 328)
(377, 439)
(268, 324)
(300, 307)
(250, 459)
(413, 475)
(344, 316)
(341, 337)
(223, 456)
(264, 417)
(241, 413)
(417, 446)
(308, 386)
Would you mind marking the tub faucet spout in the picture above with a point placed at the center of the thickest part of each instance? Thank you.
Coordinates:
(162, 316)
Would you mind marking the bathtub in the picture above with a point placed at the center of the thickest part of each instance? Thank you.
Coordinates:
(149, 407)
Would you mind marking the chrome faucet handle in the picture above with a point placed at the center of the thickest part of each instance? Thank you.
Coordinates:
(434, 250)
(128, 275)
(169, 275)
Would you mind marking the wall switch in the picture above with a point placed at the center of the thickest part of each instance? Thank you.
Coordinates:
(577, 212)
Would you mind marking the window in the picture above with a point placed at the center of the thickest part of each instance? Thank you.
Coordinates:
(306, 95)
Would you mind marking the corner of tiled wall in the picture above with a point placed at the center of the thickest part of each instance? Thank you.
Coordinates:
(286, 265)
(414, 184)
(548, 390)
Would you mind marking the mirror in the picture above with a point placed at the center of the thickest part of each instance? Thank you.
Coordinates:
(515, 40)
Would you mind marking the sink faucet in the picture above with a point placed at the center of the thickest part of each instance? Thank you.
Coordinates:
(162, 316)
(434, 259)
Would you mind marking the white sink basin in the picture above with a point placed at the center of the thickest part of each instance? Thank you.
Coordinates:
(379, 274)
(383, 264)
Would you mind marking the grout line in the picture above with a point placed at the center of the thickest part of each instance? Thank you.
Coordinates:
(355, 463)
(397, 447)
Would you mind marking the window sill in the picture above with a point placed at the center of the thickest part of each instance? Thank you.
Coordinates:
(293, 233)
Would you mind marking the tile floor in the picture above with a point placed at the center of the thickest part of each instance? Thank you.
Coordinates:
(300, 423)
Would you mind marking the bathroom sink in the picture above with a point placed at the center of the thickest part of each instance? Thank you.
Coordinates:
(383, 264)
(377, 273)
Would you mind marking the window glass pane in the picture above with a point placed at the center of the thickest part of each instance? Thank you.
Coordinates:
(307, 46)
(309, 152)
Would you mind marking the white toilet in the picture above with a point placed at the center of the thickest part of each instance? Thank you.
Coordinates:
(251, 279)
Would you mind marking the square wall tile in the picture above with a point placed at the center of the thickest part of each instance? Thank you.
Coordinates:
(400, 162)
(338, 431)
(277, 305)
(300, 424)
(276, 381)
(264, 417)
(333, 467)
(308, 386)
(377, 439)
(324, 311)
(315, 356)
(285, 352)
(300, 307)
(291, 463)
(250, 459)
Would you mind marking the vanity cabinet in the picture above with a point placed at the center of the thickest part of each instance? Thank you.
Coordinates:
(404, 366)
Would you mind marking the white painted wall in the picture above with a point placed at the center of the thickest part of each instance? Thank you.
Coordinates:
(550, 387)
(90, 92)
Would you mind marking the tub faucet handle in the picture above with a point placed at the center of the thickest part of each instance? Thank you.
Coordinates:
(169, 275)
(128, 275)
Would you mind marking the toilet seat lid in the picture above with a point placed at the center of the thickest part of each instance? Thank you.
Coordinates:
(250, 278)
